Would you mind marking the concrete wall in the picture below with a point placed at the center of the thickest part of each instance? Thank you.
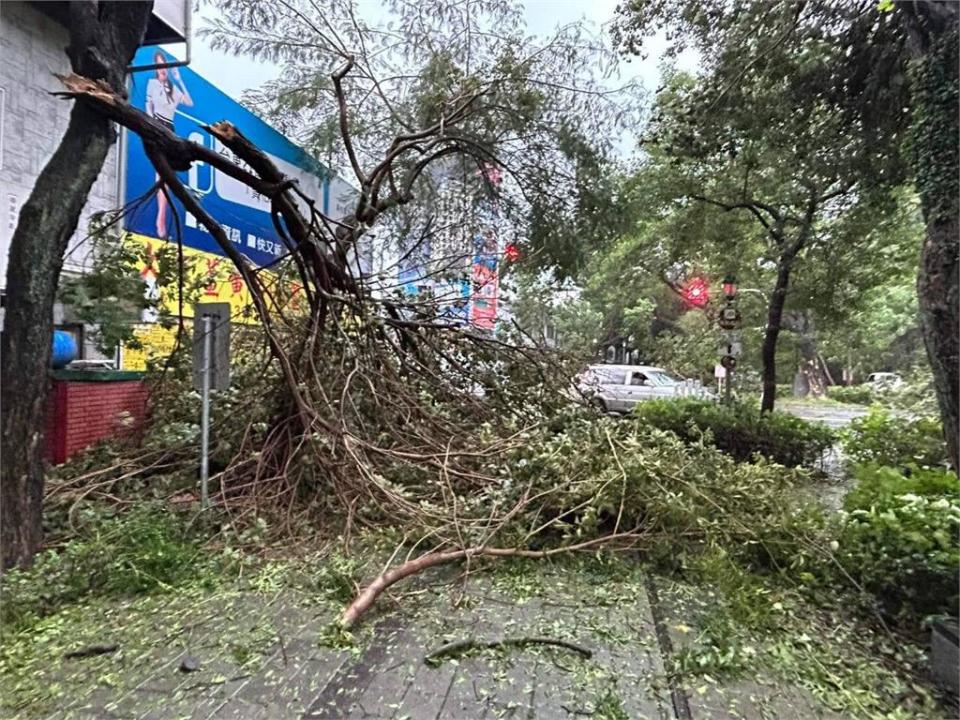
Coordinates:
(32, 123)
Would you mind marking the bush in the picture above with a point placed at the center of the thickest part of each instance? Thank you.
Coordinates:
(854, 394)
(783, 391)
(601, 474)
(883, 439)
(899, 538)
(741, 431)
(138, 553)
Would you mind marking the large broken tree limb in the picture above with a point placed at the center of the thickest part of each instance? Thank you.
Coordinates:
(371, 592)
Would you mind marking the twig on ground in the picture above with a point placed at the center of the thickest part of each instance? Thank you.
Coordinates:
(91, 651)
(460, 646)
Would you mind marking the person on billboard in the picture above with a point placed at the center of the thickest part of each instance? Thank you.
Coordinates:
(163, 98)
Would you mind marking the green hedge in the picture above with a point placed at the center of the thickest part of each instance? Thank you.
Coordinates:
(741, 430)
(883, 439)
(854, 394)
(899, 538)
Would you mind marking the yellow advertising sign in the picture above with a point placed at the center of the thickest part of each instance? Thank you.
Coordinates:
(207, 278)
(157, 342)
(216, 277)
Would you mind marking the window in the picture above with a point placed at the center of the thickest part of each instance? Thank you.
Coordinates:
(638, 378)
(662, 379)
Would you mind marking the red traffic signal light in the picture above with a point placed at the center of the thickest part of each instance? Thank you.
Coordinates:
(511, 253)
(696, 292)
(730, 287)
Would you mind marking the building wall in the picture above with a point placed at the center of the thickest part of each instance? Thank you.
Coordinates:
(32, 123)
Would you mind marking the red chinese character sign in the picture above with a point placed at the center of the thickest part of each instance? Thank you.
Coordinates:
(484, 277)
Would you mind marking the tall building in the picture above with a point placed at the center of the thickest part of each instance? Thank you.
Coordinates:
(450, 251)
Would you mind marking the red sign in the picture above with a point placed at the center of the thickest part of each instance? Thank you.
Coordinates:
(483, 308)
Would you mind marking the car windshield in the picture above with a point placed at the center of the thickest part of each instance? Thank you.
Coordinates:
(601, 376)
(661, 378)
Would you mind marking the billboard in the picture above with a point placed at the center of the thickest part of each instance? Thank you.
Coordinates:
(185, 102)
(484, 273)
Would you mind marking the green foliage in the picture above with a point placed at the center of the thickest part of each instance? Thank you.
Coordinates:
(541, 305)
(934, 133)
(854, 394)
(339, 576)
(881, 438)
(900, 538)
(741, 430)
(112, 296)
(597, 474)
(140, 552)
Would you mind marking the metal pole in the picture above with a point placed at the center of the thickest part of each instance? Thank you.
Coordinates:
(205, 415)
(727, 380)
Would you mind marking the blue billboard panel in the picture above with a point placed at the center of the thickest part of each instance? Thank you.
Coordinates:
(185, 102)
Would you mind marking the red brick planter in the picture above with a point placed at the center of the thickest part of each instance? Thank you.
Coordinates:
(84, 407)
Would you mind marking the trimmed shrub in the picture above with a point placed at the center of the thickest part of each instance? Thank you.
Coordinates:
(854, 394)
(784, 391)
(740, 431)
(899, 538)
(883, 439)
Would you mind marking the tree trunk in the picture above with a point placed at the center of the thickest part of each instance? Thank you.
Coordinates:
(768, 353)
(103, 38)
(935, 75)
(937, 290)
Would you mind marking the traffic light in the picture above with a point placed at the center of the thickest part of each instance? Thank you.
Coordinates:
(696, 292)
(730, 287)
(511, 253)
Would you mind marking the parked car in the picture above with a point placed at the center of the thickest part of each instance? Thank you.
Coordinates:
(884, 380)
(618, 388)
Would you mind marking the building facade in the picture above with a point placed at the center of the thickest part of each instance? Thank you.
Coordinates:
(33, 36)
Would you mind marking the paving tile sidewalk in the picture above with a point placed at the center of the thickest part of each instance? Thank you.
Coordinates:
(260, 659)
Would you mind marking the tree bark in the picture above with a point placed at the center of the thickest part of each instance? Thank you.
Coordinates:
(935, 76)
(103, 38)
(938, 290)
(810, 378)
(768, 353)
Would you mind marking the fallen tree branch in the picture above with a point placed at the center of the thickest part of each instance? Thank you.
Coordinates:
(371, 592)
(469, 644)
(91, 651)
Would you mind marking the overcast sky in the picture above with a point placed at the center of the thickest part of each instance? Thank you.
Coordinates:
(235, 75)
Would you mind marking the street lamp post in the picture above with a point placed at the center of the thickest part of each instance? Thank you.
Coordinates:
(731, 322)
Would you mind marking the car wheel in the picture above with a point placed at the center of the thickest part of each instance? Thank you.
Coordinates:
(600, 405)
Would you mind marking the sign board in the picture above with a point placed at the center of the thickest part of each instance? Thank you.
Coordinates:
(730, 319)
(719, 372)
(219, 344)
(730, 347)
(186, 101)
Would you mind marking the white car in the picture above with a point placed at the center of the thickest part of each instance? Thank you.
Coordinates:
(884, 380)
(618, 388)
